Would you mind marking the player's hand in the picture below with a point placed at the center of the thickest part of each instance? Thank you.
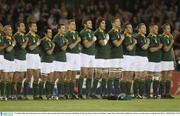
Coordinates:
(135, 41)
(105, 41)
(172, 41)
(38, 43)
(94, 38)
(160, 45)
(78, 39)
(107, 37)
(66, 41)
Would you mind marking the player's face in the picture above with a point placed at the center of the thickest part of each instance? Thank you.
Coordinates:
(168, 29)
(33, 28)
(49, 33)
(103, 25)
(155, 29)
(21, 28)
(62, 29)
(72, 26)
(142, 29)
(89, 24)
(129, 29)
(9, 31)
(117, 23)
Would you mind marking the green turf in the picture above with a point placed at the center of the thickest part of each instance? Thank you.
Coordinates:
(92, 105)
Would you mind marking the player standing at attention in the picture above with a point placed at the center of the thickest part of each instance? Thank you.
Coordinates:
(33, 58)
(116, 55)
(87, 56)
(20, 60)
(60, 62)
(102, 56)
(9, 64)
(73, 57)
(154, 57)
(167, 63)
(142, 61)
(47, 66)
(129, 46)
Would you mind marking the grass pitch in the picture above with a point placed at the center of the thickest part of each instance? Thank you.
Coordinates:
(146, 105)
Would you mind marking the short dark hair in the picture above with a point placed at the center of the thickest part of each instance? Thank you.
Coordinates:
(114, 18)
(99, 20)
(152, 24)
(71, 20)
(139, 25)
(60, 25)
(164, 26)
(46, 30)
(85, 20)
(125, 26)
(31, 22)
(18, 23)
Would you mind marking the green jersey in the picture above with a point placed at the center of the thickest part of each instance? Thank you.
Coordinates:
(9, 42)
(59, 54)
(102, 52)
(72, 37)
(33, 39)
(128, 40)
(116, 52)
(87, 35)
(2, 42)
(141, 41)
(20, 53)
(166, 41)
(154, 42)
(46, 44)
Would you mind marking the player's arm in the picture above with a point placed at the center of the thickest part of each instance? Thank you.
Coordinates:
(167, 48)
(154, 49)
(103, 42)
(64, 47)
(73, 45)
(88, 43)
(117, 42)
(131, 46)
(33, 46)
(10, 47)
(24, 45)
(50, 50)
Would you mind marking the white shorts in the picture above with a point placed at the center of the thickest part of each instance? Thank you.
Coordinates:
(47, 68)
(141, 64)
(154, 66)
(129, 63)
(102, 63)
(1, 62)
(20, 65)
(116, 63)
(33, 61)
(167, 65)
(9, 66)
(73, 62)
(60, 66)
(87, 60)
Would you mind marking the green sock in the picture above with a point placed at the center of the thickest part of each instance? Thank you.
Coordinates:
(40, 88)
(103, 86)
(168, 86)
(51, 88)
(59, 87)
(109, 86)
(2, 89)
(122, 87)
(95, 83)
(128, 88)
(116, 86)
(148, 86)
(26, 84)
(80, 84)
(136, 86)
(12, 84)
(66, 88)
(155, 87)
(8, 89)
(161, 87)
(141, 87)
(35, 89)
(18, 86)
(88, 86)
(71, 88)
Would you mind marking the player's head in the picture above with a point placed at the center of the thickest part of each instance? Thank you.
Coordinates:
(101, 23)
(72, 24)
(116, 23)
(142, 28)
(61, 28)
(21, 26)
(128, 28)
(8, 30)
(33, 26)
(166, 28)
(48, 32)
(153, 28)
(87, 23)
(1, 27)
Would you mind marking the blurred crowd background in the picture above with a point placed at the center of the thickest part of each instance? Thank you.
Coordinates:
(52, 12)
